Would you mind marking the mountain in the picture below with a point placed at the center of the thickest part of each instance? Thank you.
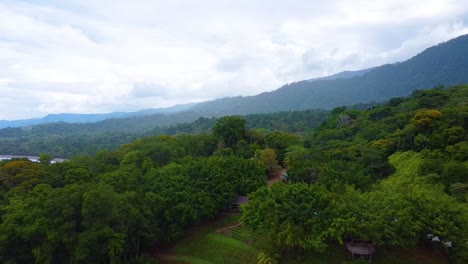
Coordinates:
(91, 118)
(66, 140)
(343, 75)
(444, 64)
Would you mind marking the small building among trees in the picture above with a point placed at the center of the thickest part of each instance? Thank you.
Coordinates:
(235, 205)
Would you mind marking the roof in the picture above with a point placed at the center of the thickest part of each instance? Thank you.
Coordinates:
(241, 200)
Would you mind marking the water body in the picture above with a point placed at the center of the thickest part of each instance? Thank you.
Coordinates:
(31, 158)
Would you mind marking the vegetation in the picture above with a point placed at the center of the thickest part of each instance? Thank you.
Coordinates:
(66, 140)
(390, 175)
(444, 64)
(393, 174)
(203, 244)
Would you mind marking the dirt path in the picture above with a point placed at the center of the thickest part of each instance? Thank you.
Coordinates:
(221, 230)
(277, 176)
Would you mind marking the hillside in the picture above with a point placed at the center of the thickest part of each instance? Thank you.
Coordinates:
(343, 75)
(444, 64)
(61, 139)
(389, 175)
(92, 118)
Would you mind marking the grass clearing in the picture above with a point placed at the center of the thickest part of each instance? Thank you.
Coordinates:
(203, 245)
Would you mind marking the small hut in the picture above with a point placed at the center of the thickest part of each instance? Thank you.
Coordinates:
(361, 250)
(240, 200)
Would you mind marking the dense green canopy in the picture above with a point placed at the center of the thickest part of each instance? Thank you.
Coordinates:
(391, 174)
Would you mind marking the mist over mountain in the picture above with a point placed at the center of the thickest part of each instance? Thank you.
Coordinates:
(91, 118)
(343, 75)
(443, 64)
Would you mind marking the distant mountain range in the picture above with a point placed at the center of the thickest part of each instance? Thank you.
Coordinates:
(444, 64)
(92, 118)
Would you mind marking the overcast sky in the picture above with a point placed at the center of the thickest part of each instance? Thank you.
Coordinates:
(95, 56)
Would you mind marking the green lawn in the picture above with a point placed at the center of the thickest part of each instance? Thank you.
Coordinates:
(203, 245)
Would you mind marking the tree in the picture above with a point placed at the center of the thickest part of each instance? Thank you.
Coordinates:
(400, 211)
(198, 145)
(22, 174)
(230, 129)
(103, 236)
(264, 258)
(62, 223)
(306, 171)
(280, 142)
(344, 172)
(23, 225)
(424, 120)
(77, 175)
(267, 159)
(45, 159)
(244, 150)
(291, 215)
(458, 151)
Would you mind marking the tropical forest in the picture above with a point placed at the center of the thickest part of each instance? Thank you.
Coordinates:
(233, 132)
(393, 175)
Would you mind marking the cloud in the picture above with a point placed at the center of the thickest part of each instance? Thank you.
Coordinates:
(233, 64)
(101, 56)
(149, 90)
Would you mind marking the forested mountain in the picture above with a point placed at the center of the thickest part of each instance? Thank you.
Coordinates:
(65, 140)
(343, 75)
(444, 64)
(395, 175)
(90, 118)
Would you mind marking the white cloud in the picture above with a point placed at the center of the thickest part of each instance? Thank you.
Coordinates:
(100, 56)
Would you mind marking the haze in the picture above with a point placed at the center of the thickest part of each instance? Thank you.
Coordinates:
(104, 56)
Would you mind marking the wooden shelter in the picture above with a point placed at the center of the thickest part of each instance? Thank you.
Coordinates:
(360, 250)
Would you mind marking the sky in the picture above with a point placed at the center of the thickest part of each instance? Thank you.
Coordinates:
(99, 56)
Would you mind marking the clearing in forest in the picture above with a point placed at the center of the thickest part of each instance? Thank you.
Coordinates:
(204, 245)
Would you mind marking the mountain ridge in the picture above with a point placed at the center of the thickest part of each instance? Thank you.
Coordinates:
(91, 118)
(343, 75)
(442, 64)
